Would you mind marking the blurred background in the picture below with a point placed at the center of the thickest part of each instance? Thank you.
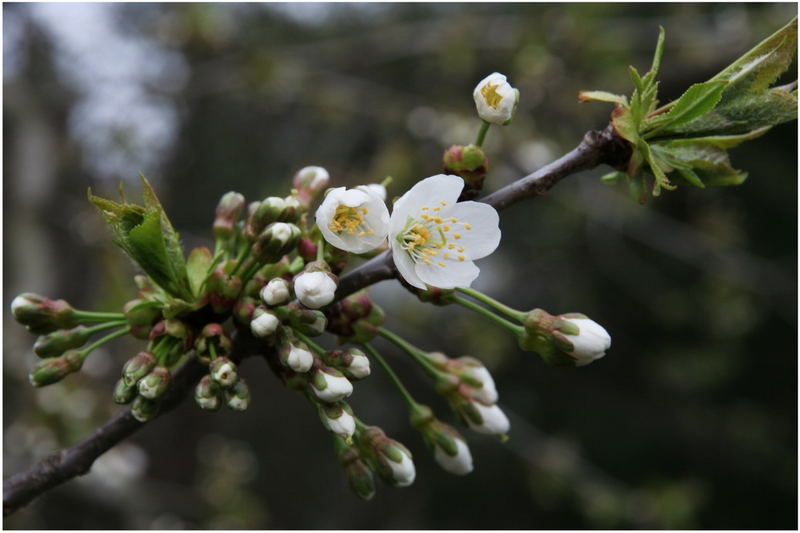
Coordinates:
(689, 422)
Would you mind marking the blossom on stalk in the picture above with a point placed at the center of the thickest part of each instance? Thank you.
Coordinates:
(264, 323)
(495, 99)
(390, 459)
(589, 343)
(338, 419)
(353, 220)
(276, 292)
(296, 356)
(449, 448)
(314, 289)
(330, 386)
(473, 369)
(435, 240)
(487, 418)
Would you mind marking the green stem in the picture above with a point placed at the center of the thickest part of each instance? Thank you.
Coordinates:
(412, 351)
(311, 344)
(93, 316)
(514, 328)
(108, 338)
(240, 259)
(321, 250)
(249, 273)
(482, 133)
(105, 325)
(392, 376)
(212, 349)
(491, 302)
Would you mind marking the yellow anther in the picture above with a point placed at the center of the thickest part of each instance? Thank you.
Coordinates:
(456, 235)
(460, 257)
(425, 208)
(451, 246)
(453, 220)
(425, 217)
(489, 93)
(467, 225)
(442, 202)
(446, 255)
(437, 208)
(460, 249)
(362, 233)
(427, 261)
(371, 232)
(441, 264)
(364, 211)
(438, 220)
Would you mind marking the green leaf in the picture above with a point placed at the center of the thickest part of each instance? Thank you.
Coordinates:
(602, 96)
(624, 124)
(698, 100)
(707, 159)
(658, 167)
(197, 268)
(654, 68)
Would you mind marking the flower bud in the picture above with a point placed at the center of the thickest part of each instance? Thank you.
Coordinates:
(42, 315)
(55, 369)
(223, 371)
(390, 459)
(307, 321)
(276, 292)
(222, 290)
(568, 339)
(338, 419)
(495, 99)
(477, 376)
(264, 323)
(124, 393)
(449, 448)
(141, 314)
(238, 396)
(138, 367)
(307, 249)
(486, 418)
(207, 394)
(292, 210)
(359, 475)
(435, 295)
(145, 409)
(277, 239)
(154, 384)
(309, 182)
(55, 343)
(589, 343)
(296, 356)
(212, 333)
(243, 311)
(229, 210)
(353, 363)
(315, 289)
(469, 162)
(329, 385)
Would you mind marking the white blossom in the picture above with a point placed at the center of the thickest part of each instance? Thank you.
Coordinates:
(314, 289)
(353, 220)
(281, 231)
(359, 367)
(299, 359)
(225, 374)
(344, 425)
(403, 473)
(275, 292)
(495, 421)
(460, 463)
(312, 177)
(336, 388)
(487, 393)
(435, 240)
(590, 343)
(375, 189)
(495, 99)
(264, 324)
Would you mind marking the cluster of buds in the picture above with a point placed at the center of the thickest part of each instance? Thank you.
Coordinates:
(222, 383)
(570, 339)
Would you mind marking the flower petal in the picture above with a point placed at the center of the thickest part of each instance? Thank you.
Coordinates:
(454, 274)
(405, 265)
(484, 236)
(428, 192)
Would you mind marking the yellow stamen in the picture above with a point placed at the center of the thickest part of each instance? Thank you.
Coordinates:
(489, 93)
(441, 264)
(456, 235)
(467, 225)
(460, 257)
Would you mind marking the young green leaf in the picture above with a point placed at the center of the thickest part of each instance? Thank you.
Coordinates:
(197, 267)
(698, 100)
(602, 96)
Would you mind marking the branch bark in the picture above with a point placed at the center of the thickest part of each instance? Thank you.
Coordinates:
(597, 147)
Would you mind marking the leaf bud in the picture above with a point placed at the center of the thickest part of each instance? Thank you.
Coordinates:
(55, 343)
(42, 315)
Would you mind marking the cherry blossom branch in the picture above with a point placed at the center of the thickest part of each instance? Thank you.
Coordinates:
(596, 148)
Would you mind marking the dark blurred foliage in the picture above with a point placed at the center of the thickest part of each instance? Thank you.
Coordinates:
(691, 419)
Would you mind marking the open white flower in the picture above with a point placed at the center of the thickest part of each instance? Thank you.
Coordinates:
(375, 189)
(314, 289)
(495, 99)
(435, 240)
(494, 420)
(460, 463)
(590, 343)
(353, 220)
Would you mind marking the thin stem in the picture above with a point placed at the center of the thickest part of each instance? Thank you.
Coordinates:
(108, 338)
(514, 328)
(311, 344)
(482, 133)
(212, 349)
(410, 350)
(491, 302)
(105, 325)
(94, 316)
(321, 250)
(392, 376)
(240, 258)
(249, 273)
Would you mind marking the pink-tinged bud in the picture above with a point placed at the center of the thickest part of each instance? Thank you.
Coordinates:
(238, 396)
(207, 394)
(42, 315)
(390, 459)
(229, 210)
(56, 343)
(55, 369)
(469, 162)
(223, 371)
(222, 290)
(154, 384)
(144, 409)
(212, 334)
(307, 249)
(359, 476)
(243, 311)
(124, 393)
(138, 367)
(309, 182)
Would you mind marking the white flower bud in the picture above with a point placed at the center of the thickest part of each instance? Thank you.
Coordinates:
(276, 292)
(282, 231)
(336, 388)
(264, 324)
(344, 425)
(291, 202)
(403, 472)
(314, 289)
(299, 359)
(375, 189)
(359, 368)
(460, 463)
(590, 343)
(224, 373)
(312, 177)
(488, 392)
(495, 99)
(494, 421)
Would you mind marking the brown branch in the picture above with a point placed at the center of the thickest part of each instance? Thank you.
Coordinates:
(597, 147)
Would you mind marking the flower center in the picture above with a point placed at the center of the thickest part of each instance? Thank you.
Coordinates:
(428, 239)
(350, 220)
(489, 93)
